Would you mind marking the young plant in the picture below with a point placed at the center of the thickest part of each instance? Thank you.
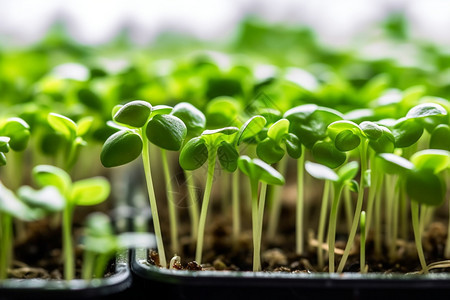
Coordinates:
(195, 122)
(193, 156)
(422, 180)
(258, 172)
(85, 192)
(343, 177)
(168, 132)
(130, 141)
(309, 123)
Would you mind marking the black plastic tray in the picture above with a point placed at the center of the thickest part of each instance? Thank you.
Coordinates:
(113, 287)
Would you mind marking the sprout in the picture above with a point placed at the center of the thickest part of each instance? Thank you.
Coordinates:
(258, 171)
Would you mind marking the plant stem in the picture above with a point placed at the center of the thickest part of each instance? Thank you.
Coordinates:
(332, 226)
(101, 263)
(171, 203)
(236, 207)
(348, 207)
(300, 203)
(261, 205)
(275, 200)
(88, 265)
(359, 203)
(212, 152)
(362, 243)
(389, 202)
(377, 237)
(255, 221)
(417, 235)
(193, 203)
(69, 263)
(152, 198)
(322, 218)
(6, 244)
(403, 214)
(394, 233)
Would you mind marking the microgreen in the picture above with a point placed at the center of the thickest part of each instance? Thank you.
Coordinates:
(85, 192)
(258, 171)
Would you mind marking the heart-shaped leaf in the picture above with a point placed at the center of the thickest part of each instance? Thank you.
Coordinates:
(394, 164)
(228, 156)
(258, 170)
(48, 198)
(63, 125)
(426, 110)
(134, 114)
(432, 159)
(327, 154)
(166, 131)
(406, 132)
(222, 111)
(90, 191)
(293, 145)
(192, 117)
(385, 143)
(348, 171)
(269, 151)
(440, 137)
(278, 130)
(18, 131)
(121, 148)
(250, 129)
(84, 125)
(371, 130)
(194, 154)
(346, 140)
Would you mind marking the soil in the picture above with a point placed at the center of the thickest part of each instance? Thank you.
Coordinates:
(220, 253)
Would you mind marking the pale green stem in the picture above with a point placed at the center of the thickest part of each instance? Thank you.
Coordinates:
(101, 264)
(6, 244)
(255, 221)
(377, 235)
(394, 230)
(236, 207)
(152, 198)
(205, 203)
(403, 214)
(300, 216)
(193, 204)
(322, 220)
(348, 207)
(417, 235)
(261, 205)
(389, 196)
(332, 226)
(88, 265)
(69, 263)
(362, 251)
(225, 187)
(171, 204)
(276, 201)
(359, 203)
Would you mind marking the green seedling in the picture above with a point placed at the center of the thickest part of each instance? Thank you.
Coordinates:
(423, 184)
(101, 243)
(195, 122)
(362, 251)
(339, 179)
(131, 140)
(168, 132)
(85, 192)
(309, 123)
(258, 171)
(73, 134)
(4, 148)
(194, 154)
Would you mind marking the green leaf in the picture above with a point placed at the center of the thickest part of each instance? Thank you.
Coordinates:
(166, 131)
(48, 198)
(19, 133)
(161, 110)
(63, 125)
(278, 130)
(348, 171)
(353, 185)
(385, 143)
(194, 154)
(440, 137)
(425, 187)
(394, 164)
(4, 144)
(216, 136)
(121, 148)
(342, 125)
(192, 117)
(327, 154)
(228, 156)
(432, 159)
(2, 159)
(251, 128)
(12, 206)
(371, 130)
(269, 151)
(45, 175)
(406, 132)
(426, 110)
(134, 114)
(346, 140)
(258, 170)
(84, 125)
(293, 145)
(90, 191)
(320, 171)
(222, 111)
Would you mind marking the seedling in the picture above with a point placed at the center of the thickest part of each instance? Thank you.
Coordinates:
(193, 156)
(423, 184)
(131, 140)
(85, 192)
(258, 171)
